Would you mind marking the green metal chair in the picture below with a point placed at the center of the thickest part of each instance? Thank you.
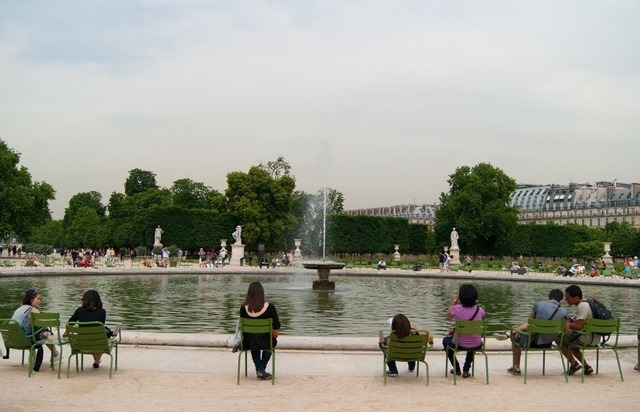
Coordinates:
(412, 348)
(256, 326)
(14, 338)
(610, 328)
(87, 338)
(50, 321)
(469, 327)
(546, 327)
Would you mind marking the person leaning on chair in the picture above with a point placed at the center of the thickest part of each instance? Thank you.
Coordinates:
(544, 309)
(401, 326)
(92, 311)
(31, 304)
(573, 296)
(256, 307)
(464, 307)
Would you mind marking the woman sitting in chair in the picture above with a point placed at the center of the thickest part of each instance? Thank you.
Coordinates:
(464, 308)
(31, 304)
(401, 326)
(92, 311)
(256, 307)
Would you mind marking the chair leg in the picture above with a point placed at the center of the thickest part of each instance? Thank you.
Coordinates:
(273, 367)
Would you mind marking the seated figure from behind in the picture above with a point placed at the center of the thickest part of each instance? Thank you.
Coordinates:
(382, 265)
(544, 309)
(402, 328)
(464, 307)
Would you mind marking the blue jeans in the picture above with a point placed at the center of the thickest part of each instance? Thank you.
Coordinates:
(448, 344)
(260, 359)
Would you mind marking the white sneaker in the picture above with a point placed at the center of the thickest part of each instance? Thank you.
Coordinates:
(501, 335)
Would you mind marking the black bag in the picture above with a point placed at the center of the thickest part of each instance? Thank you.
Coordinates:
(599, 310)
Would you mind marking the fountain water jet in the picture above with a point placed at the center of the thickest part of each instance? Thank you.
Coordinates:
(323, 267)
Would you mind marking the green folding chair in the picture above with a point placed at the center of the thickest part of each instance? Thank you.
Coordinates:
(14, 338)
(469, 327)
(87, 338)
(609, 329)
(49, 321)
(543, 327)
(412, 348)
(256, 326)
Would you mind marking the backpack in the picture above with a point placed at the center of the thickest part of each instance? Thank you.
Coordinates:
(599, 310)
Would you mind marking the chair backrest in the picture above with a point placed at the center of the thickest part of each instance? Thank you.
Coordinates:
(607, 327)
(256, 326)
(13, 336)
(409, 348)
(45, 320)
(545, 326)
(87, 337)
(472, 327)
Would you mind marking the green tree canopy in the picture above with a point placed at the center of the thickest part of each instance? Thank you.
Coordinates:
(24, 205)
(477, 206)
(262, 202)
(188, 194)
(92, 200)
(139, 181)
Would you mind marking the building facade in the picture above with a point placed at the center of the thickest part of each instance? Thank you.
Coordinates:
(581, 204)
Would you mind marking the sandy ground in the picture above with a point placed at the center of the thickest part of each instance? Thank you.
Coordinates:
(159, 378)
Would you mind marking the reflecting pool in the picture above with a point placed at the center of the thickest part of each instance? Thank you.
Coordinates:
(360, 306)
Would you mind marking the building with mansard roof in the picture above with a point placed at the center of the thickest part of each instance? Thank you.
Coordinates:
(578, 203)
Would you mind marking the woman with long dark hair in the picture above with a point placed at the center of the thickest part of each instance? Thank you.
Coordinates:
(92, 311)
(256, 307)
(31, 304)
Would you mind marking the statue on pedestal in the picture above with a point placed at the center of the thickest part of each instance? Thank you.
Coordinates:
(157, 235)
(237, 235)
(454, 239)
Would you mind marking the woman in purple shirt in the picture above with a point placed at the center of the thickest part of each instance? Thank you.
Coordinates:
(464, 308)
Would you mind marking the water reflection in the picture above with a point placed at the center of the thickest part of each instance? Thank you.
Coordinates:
(358, 307)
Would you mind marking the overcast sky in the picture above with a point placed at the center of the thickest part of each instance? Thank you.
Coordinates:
(402, 92)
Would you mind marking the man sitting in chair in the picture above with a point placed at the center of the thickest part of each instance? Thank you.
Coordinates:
(544, 309)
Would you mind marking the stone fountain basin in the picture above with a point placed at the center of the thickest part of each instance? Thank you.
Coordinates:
(323, 265)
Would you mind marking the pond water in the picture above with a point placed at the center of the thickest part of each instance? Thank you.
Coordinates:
(360, 306)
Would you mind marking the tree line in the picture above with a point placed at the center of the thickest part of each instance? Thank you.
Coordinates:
(265, 202)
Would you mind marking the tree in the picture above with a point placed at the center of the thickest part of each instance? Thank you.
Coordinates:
(477, 206)
(139, 181)
(588, 251)
(24, 205)
(262, 204)
(87, 229)
(624, 239)
(50, 233)
(188, 194)
(91, 200)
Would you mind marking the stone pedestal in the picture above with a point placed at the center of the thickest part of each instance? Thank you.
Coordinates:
(237, 253)
(454, 252)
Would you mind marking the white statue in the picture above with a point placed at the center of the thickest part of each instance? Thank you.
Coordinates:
(237, 235)
(454, 239)
(157, 235)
